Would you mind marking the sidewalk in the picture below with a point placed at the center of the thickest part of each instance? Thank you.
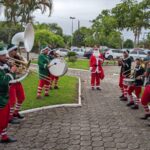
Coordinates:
(102, 123)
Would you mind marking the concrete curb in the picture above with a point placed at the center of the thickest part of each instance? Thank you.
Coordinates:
(79, 104)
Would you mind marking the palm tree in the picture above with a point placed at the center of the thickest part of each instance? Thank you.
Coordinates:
(22, 10)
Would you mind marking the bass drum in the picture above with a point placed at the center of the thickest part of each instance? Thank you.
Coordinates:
(58, 67)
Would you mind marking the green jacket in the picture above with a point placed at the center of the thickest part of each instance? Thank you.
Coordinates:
(43, 62)
(5, 77)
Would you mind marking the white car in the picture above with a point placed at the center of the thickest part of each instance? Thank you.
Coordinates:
(79, 51)
(113, 54)
(137, 54)
(62, 52)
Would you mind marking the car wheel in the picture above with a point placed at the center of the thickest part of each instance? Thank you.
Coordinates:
(110, 57)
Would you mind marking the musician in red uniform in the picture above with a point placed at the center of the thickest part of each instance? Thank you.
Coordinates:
(146, 95)
(96, 69)
(16, 91)
(137, 86)
(125, 64)
(6, 75)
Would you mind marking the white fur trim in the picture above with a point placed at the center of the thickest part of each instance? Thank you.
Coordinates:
(12, 78)
(11, 49)
(3, 52)
(5, 66)
(45, 65)
(44, 49)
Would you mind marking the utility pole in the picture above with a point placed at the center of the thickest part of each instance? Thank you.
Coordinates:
(72, 18)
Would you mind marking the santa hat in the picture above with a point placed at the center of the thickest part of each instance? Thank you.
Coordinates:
(3, 50)
(11, 47)
(44, 47)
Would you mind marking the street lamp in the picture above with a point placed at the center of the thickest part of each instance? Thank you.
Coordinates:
(72, 18)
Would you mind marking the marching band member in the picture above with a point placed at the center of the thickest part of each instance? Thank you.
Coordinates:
(43, 63)
(53, 79)
(125, 64)
(146, 95)
(16, 91)
(96, 69)
(137, 86)
(6, 74)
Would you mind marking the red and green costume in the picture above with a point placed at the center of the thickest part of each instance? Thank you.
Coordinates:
(5, 77)
(43, 62)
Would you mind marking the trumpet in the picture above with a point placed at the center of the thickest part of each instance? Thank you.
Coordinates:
(16, 62)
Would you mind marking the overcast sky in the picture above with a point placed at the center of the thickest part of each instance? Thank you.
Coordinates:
(83, 10)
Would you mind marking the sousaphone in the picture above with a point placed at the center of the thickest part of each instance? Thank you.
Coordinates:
(27, 38)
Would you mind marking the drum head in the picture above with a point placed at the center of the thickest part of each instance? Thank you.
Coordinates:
(58, 67)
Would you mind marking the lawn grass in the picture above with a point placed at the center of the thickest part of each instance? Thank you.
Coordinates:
(66, 94)
(79, 64)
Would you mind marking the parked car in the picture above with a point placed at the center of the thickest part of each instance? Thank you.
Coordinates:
(88, 53)
(113, 53)
(146, 51)
(79, 51)
(137, 54)
(62, 52)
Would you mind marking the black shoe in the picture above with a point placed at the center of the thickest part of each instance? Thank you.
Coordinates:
(14, 121)
(56, 87)
(98, 88)
(124, 99)
(9, 140)
(130, 104)
(145, 117)
(135, 107)
(92, 88)
(121, 96)
(19, 116)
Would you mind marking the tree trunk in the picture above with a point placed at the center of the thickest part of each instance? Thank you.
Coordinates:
(138, 36)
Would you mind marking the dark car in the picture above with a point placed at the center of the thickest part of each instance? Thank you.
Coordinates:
(88, 53)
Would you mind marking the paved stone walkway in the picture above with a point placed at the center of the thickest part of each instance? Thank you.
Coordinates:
(102, 123)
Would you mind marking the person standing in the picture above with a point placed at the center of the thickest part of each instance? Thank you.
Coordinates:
(137, 86)
(145, 100)
(125, 71)
(44, 81)
(6, 75)
(16, 91)
(96, 69)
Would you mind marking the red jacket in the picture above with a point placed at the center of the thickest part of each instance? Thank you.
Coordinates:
(96, 65)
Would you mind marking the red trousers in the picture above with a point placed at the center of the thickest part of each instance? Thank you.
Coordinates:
(124, 88)
(121, 81)
(53, 79)
(95, 79)
(137, 90)
(43, 83)
(146, 96)
(16, 94)
(4, 117)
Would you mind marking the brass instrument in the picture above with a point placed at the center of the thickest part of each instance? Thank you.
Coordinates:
(27, 37)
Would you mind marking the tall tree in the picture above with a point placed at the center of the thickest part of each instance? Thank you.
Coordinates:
(22, 10)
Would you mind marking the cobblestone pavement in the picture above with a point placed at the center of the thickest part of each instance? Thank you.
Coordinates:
(102, 123)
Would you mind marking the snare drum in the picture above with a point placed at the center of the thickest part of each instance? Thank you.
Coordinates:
(128, 81)
(58, 67)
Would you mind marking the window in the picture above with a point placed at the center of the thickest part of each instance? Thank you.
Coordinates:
(141, 53)
(134, 52)
(115, 51)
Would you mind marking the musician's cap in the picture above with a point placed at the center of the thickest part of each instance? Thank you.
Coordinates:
(11, 47)
(3, 50)
(44, 47)
(126, 51)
